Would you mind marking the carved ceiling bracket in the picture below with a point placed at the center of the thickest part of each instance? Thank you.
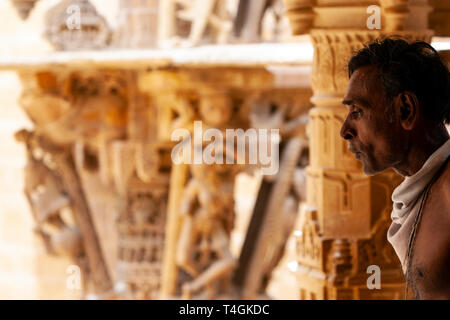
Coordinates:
(24, 7)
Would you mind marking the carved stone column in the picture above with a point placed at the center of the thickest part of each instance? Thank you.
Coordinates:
(141, 222)
(138, 166)
(137, 24)
(342, 231)
(103, 159)
(68, 108)
(439, 17)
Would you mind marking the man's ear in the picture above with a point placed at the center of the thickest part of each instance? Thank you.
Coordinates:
(407, 108)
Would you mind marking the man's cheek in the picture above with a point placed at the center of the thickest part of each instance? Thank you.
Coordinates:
(365, 135)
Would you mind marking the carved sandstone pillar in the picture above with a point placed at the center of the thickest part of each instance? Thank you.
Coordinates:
(342, 231)
(137, 24)
(439, 17)
(67, 108)
(114, 170)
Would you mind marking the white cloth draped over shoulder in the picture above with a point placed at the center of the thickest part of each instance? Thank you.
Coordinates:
(406, 201)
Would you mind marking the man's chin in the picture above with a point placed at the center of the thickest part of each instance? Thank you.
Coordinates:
(367, 167)
(370, 170)
(369, 173)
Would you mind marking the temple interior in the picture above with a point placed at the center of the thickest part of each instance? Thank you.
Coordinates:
(93, 205)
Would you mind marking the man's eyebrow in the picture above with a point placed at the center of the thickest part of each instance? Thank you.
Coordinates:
(360, 102)
(347, 102)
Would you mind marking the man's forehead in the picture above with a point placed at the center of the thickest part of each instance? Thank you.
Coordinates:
(363, 83)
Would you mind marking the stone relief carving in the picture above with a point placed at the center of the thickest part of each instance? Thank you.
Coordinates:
(261, 20)
(87, 114)
(141, 228)
(207, 210)
(60, 210)
(279, 195)
(308, 240)
(187, 23)
(48, 199)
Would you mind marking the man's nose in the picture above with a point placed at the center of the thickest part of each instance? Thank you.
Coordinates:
(347, 132)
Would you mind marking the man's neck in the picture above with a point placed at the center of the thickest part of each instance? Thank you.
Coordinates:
(421, 148)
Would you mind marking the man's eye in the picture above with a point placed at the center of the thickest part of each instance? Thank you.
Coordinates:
(356, 114)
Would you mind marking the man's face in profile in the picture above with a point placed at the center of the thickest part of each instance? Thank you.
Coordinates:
(372, 130)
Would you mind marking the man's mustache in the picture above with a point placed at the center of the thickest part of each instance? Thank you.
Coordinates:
(358, 154)
(352, 148)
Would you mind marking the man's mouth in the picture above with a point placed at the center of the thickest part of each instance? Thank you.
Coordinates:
(355, 151)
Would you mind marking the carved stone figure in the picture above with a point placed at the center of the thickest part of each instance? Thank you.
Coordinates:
(207, 210)
(51, 205)
(279, 195)
(272, 222)
(258, 20)
(205, 17)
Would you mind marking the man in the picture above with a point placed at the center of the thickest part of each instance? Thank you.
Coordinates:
(398, 102)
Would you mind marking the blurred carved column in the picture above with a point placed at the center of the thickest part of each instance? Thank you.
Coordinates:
(440, 17)
(263, 251)
(139, 169)
(104, 161)
(141, 222)
(137, 24)
(197, 260)
(72, 109)
(342, 230)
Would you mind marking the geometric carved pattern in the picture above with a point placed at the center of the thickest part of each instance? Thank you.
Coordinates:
(328, 149)
(342, 199)
(141, 242)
